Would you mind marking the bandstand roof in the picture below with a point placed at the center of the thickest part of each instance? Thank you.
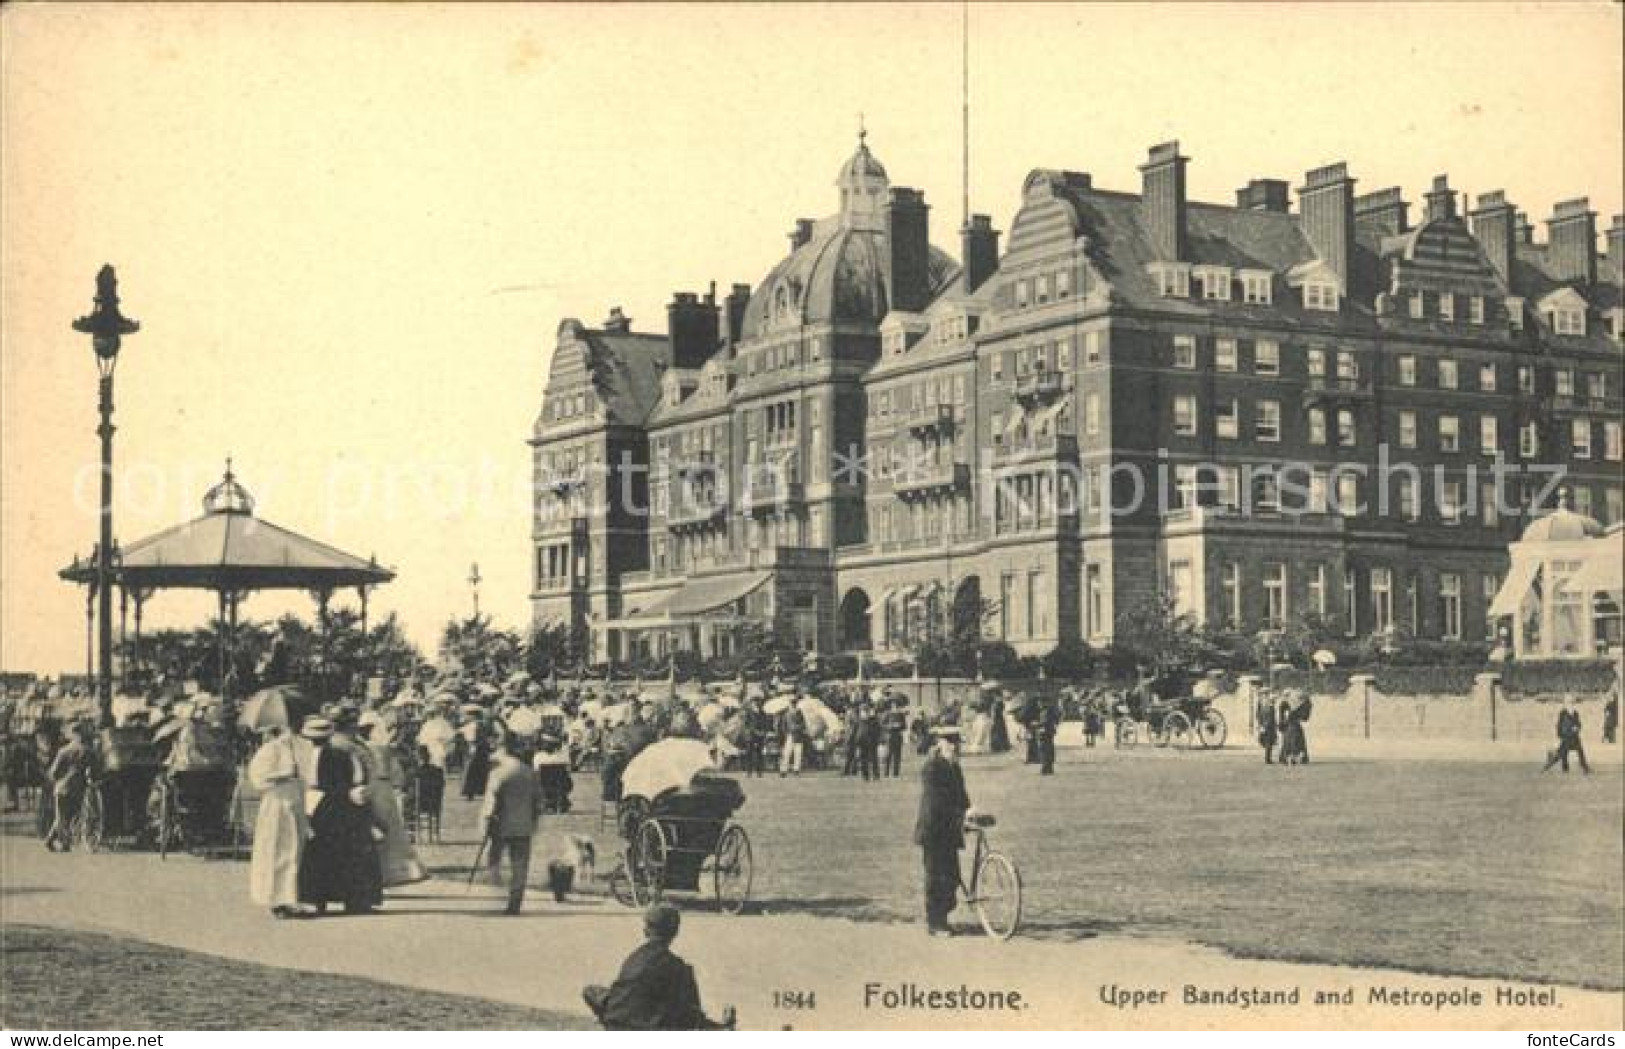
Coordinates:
(228, 548)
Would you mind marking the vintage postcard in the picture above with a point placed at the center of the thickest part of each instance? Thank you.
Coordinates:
(833, 517)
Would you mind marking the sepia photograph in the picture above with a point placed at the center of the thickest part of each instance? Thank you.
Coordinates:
(826, 517)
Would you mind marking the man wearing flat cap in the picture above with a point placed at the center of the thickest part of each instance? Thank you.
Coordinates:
(940, 829)
(655, 990)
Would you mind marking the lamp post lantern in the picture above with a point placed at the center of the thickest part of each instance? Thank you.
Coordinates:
(106, 327)
(474, 582)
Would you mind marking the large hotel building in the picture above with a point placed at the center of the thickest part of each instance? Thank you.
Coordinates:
(1261, 410)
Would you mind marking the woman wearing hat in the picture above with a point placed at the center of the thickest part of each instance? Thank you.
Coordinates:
(340, 863)
(399, 861)
(280, 829)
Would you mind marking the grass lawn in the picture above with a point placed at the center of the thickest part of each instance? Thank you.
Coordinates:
(1487, 869)
(58, 980)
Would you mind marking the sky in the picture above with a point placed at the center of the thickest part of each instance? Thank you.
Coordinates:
(351, 232)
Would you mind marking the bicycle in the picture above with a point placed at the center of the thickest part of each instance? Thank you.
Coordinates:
(994, 891)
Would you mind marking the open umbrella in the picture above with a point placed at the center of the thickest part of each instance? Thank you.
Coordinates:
(777, 705)
(268, 708)
(436, 730)
(525, 721)
(1324, 657)
(670, 764)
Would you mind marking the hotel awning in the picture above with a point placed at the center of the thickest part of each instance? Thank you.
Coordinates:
(707, 598)
(1515, 589)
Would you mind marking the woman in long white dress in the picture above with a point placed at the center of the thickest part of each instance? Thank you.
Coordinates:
(396, 855)
(280, 829)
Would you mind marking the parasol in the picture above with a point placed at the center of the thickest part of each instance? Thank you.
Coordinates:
(711, 716)
(268, 708)
(670, 764)
(436, 730)
(1324, 658)
(525, 721)
(776, 705)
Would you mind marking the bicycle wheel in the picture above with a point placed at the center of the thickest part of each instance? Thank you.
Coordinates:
(1177, 727)
(733, 870)
(998, 896)
(1211, 729)
(648, 871)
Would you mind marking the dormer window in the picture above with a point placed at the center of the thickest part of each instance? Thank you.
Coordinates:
(1447, 306)
(1256, 288)
(1475, 309)
(1215, 281)
(1567, 322)
(1320, 295)
(1173, 279)
(1515, 313)
(1418, 307)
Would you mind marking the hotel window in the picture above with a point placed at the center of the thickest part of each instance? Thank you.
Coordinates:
(1486, 378)
(1320, 296)
(1186, 481)
(1613, 444)
(1475, 309)
(1489, 494)
(1267, 357)
(1515, 313)
(1449, 377)
(1563, 380)
(1225, 416)
(1447, 306)
(1317, 590)
(1407, 429)
(1526, 379)
(1407, 497)
(1528, 440)
(1489, 434)
(1256, 289)
(1317, 426)
(1319, 497)
(1215, 283)
(1063, 354)
(1582, 501)
(1351, 605)
(1347, 435)
(1489, 585)
(1450, 605)
(1580, 438)
(1021, 294)
(1180, 592)
(1224, 355)
(1316, 362)
(1275, 610)
(1184, 351)
(1266, 492)
(1347, 366)
(1063, 284)
(1568, 322)
(1091, 347)
(1185, 415)
(1227, 486)
(1348, 494)
(1174, 281)
(996, 365)
(1597, 386)
(1449, 433)
(1382, 600)
(1230, 591)
(1041, 290)
(1417, 307)
(1407, 370)
(1097, 601)
(1091, 413)
(1614, 499)
(1267, 426)
(1450, 495)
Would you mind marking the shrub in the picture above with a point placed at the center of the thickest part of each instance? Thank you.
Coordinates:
(1426, 681)
(1547, 676)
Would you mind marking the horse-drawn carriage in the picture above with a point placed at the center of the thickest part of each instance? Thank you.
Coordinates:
(1176, 710)
(676, 824)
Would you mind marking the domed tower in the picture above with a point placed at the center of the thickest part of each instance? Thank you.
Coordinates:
(863, 185)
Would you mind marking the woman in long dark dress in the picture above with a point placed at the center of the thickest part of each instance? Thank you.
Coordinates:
(340, 863)
(478, 770)
(999, 735)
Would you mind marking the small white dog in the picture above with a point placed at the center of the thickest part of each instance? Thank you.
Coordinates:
(582, 854)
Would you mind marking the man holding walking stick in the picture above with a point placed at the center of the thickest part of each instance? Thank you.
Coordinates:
(513, 804)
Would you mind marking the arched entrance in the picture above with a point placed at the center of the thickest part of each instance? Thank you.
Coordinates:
(967, 609)
(855, 621)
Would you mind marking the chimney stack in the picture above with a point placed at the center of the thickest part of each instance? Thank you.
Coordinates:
(1441, 199)
(908, 240)
(691, 327)
(1616, 246)
(734, 310)
(1526, 229)
(801, 234)
(617, 323)
(1571, 236)
(979, 249)
(1263, 194)
(1326, 206)
(1494, 227)
(1163, 200)
(1384, 213)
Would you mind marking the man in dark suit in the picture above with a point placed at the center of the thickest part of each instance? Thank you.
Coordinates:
(895, 722)
(939, 830)
(1568, 738)
(655, 990)
(1049, 723)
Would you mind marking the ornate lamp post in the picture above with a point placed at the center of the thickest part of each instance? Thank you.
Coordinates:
(474, 582)
(106, 328)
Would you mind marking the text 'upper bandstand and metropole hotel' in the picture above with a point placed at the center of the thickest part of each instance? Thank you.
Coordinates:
(1264, 412)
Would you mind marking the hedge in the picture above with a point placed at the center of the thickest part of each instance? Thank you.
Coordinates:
(1546, 676)
(1425, 681)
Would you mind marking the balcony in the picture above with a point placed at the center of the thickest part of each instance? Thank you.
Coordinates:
(929, 418)
(1038, 386)
(918, 479)
(1061, 446)
(771, 490)
(695, 511)
(1335, 389)
(562, 482)
(697, 464)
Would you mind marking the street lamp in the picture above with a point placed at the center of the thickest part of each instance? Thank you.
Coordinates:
(474, 582)
(106, 328)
